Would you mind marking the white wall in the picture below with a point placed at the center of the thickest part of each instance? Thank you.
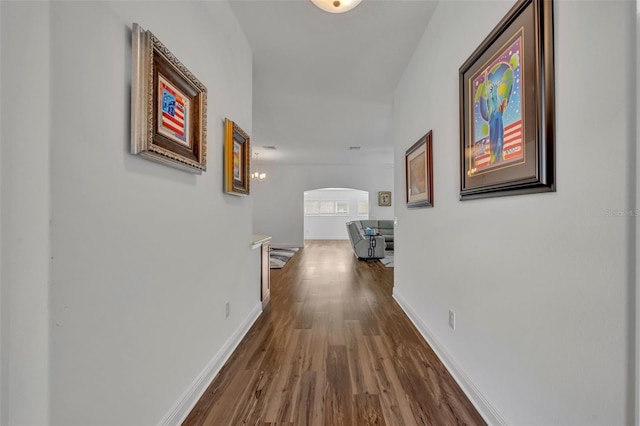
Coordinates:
(3, 322)
(139, 275)
(539, 283)
(278, 200)
(333, 227)
(25, 215)
(637, 188)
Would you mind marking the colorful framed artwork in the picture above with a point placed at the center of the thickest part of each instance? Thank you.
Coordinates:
(168, 107)
(237, 151)
(418, 166)
(507, 107)
(384, 198)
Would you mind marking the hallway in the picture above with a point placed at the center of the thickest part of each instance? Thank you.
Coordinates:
(333, 348)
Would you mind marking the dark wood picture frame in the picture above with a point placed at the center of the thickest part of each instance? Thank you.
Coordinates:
(507, 107)
(168, 107)
(418, 166)
(237, 154)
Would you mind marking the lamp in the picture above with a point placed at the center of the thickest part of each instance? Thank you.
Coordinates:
(258, 175)
(336, 6)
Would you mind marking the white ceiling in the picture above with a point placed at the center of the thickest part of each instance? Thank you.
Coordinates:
(324, 82)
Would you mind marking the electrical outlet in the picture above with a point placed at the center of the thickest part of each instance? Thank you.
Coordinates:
(227, 309)
(452, 319)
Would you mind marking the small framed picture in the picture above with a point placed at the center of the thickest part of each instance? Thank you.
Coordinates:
(168, 107)
(237, 152)
(418, 162)
(384, 198)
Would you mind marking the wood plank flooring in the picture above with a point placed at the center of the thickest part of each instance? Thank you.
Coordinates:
(333, 349)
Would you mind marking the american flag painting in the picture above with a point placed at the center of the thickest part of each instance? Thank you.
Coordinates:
(173, 112)
(511, 150)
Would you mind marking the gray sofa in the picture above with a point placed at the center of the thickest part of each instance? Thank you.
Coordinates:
(361, 242)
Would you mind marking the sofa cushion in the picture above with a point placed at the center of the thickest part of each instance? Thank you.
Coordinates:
(355, 232)
(373, 224)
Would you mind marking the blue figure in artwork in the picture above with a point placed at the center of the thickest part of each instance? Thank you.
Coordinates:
(496, 93)
(495, 109)
(168, 103)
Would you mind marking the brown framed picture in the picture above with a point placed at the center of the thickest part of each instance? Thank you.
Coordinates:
(384, 198)
(237, 153)
(418, 165)
(507, 107)
(168, 107)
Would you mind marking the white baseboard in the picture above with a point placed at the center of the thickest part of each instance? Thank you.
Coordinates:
(486, 410)
(191, 396)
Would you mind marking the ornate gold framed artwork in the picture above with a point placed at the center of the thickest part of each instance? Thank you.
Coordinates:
(384, 198)
(168, 106)
(237, 154)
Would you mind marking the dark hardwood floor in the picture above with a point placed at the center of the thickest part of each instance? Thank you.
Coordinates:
(333, 348)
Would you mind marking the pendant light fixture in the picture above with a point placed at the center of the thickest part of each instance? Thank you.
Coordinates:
(257, 175)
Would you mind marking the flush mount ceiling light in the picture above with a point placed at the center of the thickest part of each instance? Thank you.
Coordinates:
(336, 6)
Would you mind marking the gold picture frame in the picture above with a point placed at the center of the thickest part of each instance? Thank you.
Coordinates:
(168, 106)
(237, 154)
(384, 198)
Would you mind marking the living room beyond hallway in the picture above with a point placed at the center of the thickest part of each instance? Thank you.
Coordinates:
(333, 348)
